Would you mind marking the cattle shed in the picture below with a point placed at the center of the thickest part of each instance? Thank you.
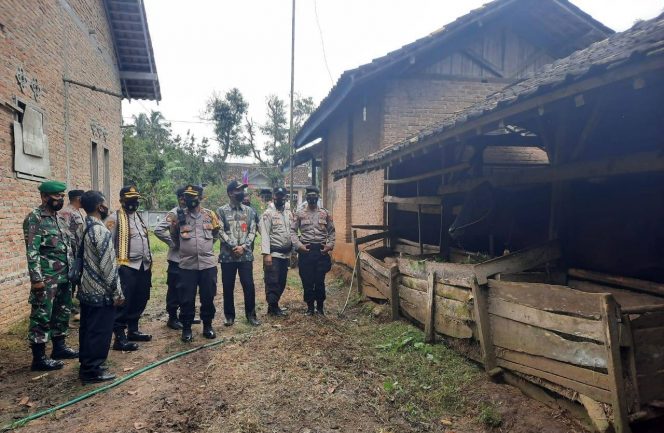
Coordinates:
(526, 229)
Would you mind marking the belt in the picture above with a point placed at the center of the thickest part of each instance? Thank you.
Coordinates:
(282, 250)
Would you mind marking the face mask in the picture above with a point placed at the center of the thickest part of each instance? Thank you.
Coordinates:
(279, 202)
(56, 204)
(238, 196)
(103, 212)
(130, 206)
(312, 201)
(192, 203)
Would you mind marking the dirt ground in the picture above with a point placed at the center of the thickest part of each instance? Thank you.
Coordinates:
(356, 373)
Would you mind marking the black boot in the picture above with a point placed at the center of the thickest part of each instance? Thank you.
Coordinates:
(229, 321)
(101, 376)
(274, 310)
(187, 336)
(122, 343)
(174, 323)
(208, 332)
(253, 320)
(61, 350)
(319, 308)
(40, 362)
(138, 336)
(310, 309)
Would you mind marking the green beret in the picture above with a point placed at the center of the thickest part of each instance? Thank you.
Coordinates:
(52, 187)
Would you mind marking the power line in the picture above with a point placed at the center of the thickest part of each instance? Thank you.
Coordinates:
(322, 42)
(207, 122)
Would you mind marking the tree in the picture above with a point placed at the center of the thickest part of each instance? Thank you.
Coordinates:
(227, 113)
(276, 130)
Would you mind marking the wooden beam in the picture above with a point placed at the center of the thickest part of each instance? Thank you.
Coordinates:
(517, 261)
(369, 227)
(481, 307)
(616, 280)
(429, 324)
(643, 162)
(428, 209)
(482, 62)
(371, 237)
(394, 291)
(357, 262)
(642, 309)
(426, 200)
(439, 172)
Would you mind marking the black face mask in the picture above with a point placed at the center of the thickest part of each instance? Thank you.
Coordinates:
(103, 212)
(279, 202)
(238, 196)
(313, 201)
(56, 204)
(130, 206)
(192, 203)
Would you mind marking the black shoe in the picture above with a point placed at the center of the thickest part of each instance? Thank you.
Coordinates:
(174, 324)
(208, 332)
(274, 311)
(61, 350)
(320, 311)
(229, 321)
(138, 336)
(121, 343)
(103, 376)
(187, 336)
(310, 309)
(40, 362)
(253, 321)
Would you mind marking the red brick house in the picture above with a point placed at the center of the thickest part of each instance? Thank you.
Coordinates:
(397, 95)
(65, 66)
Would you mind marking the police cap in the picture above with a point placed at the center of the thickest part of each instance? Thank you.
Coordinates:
(193, 191)
(279, 190)
(129, 192)
(234, 184)
(312, 189)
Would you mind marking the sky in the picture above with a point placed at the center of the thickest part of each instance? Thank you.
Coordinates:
(206, 46)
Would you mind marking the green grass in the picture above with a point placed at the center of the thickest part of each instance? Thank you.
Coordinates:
(489, 416)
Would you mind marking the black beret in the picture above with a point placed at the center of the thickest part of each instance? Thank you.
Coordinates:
(312, 189)
(75, 193)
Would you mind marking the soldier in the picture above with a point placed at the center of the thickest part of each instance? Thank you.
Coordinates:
(194, 232)
(277, 247)
(314, 242)
(49, 255)
(132, 248)
(100, 291)
(74, 219)
(163, 232)
(236, 257)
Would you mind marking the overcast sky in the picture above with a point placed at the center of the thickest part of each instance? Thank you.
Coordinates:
(203, 46)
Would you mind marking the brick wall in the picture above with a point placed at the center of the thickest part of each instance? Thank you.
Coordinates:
(51, 39)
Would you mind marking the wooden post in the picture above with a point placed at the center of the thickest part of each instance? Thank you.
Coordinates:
(394, 291)
(419, 222)
(614, 364)
(429, 324)
(358, 264)
(481, 307)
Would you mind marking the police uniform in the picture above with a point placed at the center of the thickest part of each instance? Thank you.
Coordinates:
(313, 228)
(195, 235)
(163, 232)
(132, 248)
(276, 242)
(238, 229)
(50, 256)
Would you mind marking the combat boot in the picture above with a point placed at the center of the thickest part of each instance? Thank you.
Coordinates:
(187, 336)
(174, 323)
(253, 320)
(319, 308)
(122, 343)
(40, 362)
(208, 332)
(61, 350)
(310, 309)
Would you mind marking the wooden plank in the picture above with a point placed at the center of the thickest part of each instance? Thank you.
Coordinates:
(649, 350)
(579, 374)
(576, 326)
(377, 284)
(640, 309)
(429, 330)
(439, 172)
(413, 251)
(648, 320)
(451, 327)
(619, 401)
(453, 274)
(483, 324)
(416, 244)
(536, 341)
(443, 290)
(425, 209)
(617, 280)
(413, 302)
(548, 297)
(369, 227)
(631, 361)
(591, 391)
(356, 249)
(651, 387)
(370, 291)
(394, 291)
(625, 298)
(518, 261)
(428, 200)
(371, 237)
(366, 271)
(375, 264)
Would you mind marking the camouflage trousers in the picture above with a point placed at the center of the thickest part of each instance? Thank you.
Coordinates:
(51, 308)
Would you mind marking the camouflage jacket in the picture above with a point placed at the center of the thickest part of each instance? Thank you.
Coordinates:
(74, 219)
(238, 227)
(48, 247)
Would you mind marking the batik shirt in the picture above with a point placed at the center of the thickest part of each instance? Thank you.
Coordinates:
(48, 247)
(238, 227)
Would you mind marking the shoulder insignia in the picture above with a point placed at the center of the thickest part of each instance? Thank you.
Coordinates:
(110, 224)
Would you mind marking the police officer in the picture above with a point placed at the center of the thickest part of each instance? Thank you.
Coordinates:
(49, 254)
(237, 236)
(277, 247)
(312, 234)
(194, 232)
(162, 231)
(132, 247)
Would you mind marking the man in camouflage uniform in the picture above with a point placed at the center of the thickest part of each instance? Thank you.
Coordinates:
(276, 247)
(237, 235)
(74, 219)
(50, 256)
(313, 235)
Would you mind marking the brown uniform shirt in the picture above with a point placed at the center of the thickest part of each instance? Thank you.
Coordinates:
(313, 227)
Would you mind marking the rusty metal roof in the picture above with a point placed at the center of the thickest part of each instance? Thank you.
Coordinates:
(558, 23)
(644, 41)
(133, 49)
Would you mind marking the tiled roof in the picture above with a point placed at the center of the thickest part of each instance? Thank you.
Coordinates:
(582, 30)
(234, 171)
(644, 40)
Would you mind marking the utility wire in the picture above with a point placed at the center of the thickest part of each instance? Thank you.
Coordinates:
(322, 42)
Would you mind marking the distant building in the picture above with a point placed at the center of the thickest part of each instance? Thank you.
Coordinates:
(66, 66)
(258, 179)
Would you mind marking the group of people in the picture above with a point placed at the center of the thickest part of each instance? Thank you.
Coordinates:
(112, 254)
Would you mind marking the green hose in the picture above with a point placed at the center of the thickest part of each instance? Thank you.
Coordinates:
(23, 421)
